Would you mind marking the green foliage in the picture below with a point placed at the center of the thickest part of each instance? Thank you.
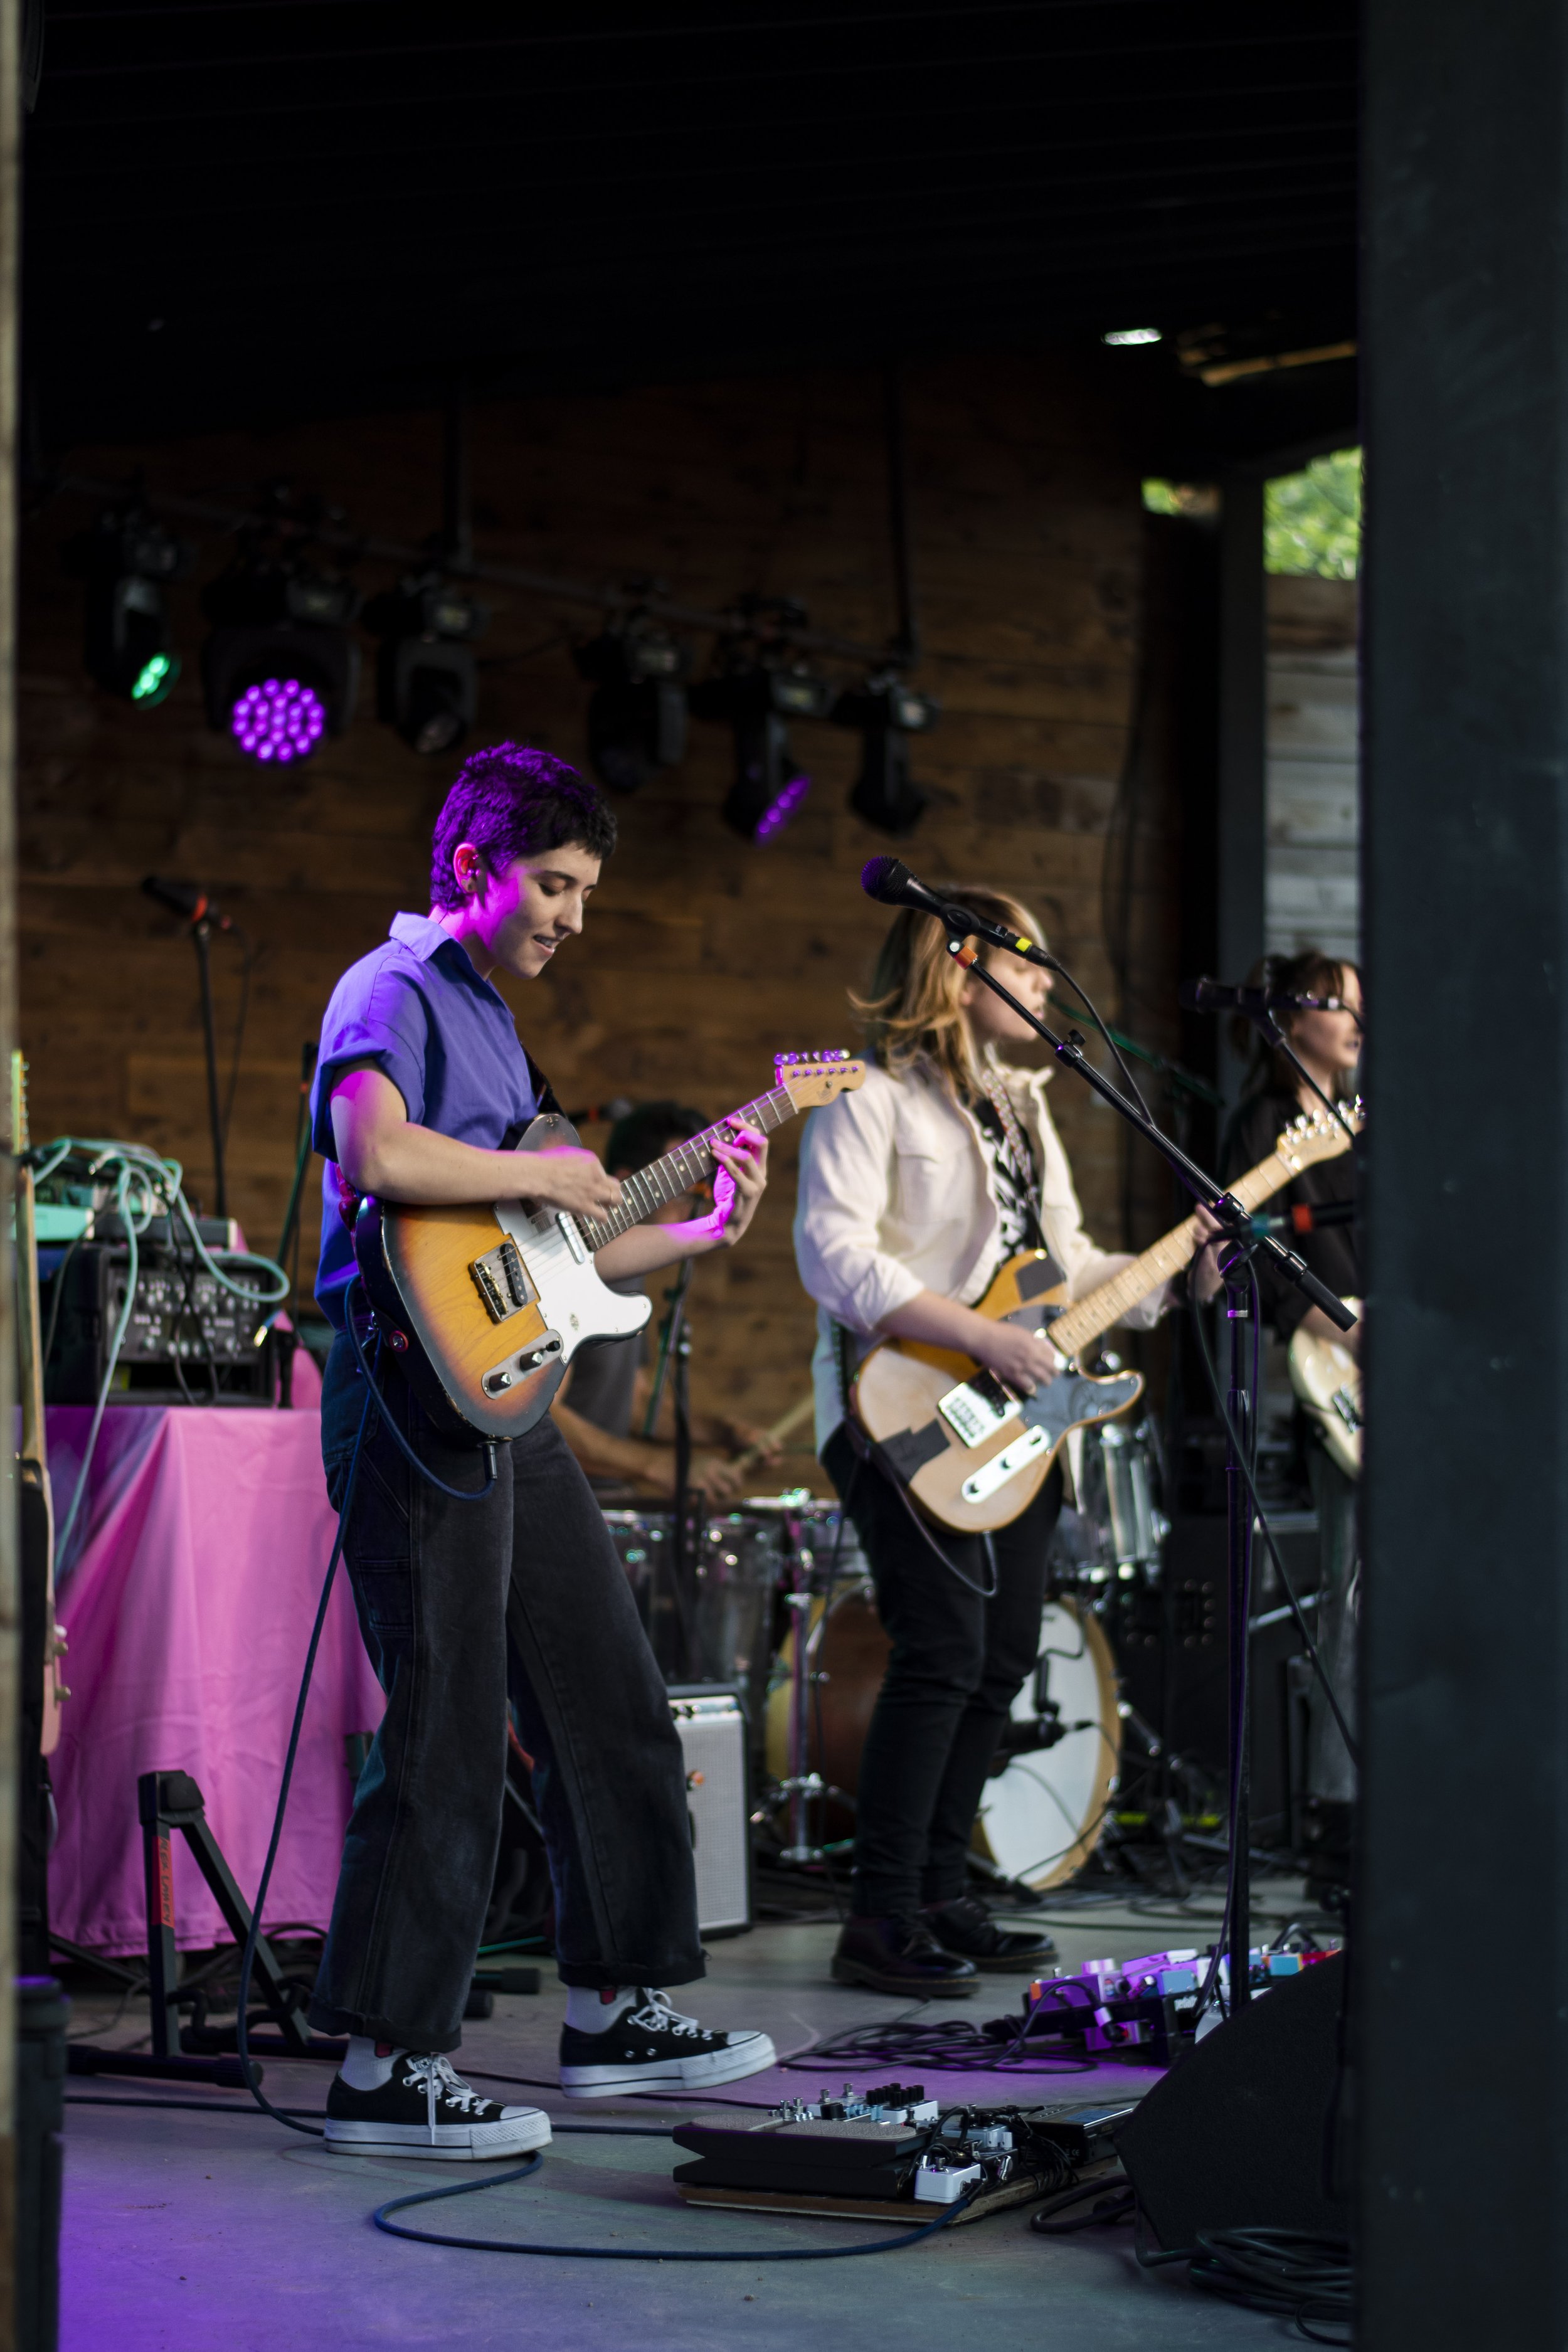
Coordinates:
(1312, 521)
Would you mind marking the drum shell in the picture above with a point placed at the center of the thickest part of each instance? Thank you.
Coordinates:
(735, 1578)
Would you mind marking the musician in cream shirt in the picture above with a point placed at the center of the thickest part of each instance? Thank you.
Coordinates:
(913, 1191)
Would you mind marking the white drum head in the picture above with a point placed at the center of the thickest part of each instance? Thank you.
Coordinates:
(1041, 1819)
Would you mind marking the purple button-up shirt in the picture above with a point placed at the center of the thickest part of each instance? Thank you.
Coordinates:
(447, 1041)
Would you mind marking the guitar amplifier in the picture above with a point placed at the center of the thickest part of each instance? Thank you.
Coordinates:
(188, 1339)
(713, 1727)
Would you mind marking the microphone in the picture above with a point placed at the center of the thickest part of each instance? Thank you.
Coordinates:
(889, 880)
(1219, 996)
(185, 899)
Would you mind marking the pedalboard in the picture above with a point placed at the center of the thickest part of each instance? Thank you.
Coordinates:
(895, 2147)
(1144, 2010)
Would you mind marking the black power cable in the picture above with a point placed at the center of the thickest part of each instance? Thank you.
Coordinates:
(947, 2215)
(952, 2044)
(1267, 1532)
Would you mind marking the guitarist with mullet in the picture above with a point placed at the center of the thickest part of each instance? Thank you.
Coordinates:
(421, 1086)
(913, 1192)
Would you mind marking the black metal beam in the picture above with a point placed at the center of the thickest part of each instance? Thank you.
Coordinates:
(1461, 2023)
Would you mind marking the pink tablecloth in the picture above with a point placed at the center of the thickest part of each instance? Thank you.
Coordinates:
(188, 1609)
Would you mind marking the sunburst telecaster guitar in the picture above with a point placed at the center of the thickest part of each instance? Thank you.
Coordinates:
(485, 1307)
(971, 1452)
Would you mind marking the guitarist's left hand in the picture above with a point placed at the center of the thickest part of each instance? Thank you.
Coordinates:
(739, 1183)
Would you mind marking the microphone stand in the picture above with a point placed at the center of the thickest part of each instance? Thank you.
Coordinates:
(201, 934)
(674, 1354)
(1237, 1275)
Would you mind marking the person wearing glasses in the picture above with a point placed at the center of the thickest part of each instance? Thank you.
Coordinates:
(1325, 1034)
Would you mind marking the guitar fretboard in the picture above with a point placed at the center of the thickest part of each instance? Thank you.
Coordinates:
(1073, 1332)
(689, 1163)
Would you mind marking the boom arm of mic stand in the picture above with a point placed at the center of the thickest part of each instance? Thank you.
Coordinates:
(1213, 1197)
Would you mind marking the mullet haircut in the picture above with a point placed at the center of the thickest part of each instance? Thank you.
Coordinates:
(511, 802)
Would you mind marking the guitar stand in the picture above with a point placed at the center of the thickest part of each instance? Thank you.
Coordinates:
(167, 1801)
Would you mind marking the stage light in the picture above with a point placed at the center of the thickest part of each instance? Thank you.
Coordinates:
(126, 559)
(886, 713)
(426, 676)
(280, 670)
(757, 702)
(636, 712)
(1127, 338)
(278, 719)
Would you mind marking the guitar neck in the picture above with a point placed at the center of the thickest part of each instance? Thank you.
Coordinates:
(1072, 1332)
(689, 1163)
(29, 1329)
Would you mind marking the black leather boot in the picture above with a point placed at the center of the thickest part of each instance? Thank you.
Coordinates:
(899, 1955)
(965, 1928)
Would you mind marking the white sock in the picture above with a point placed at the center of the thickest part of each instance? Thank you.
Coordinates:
(593, 2009)
(369, 2064)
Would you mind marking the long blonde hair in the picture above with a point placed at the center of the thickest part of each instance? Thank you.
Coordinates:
(913, 1015)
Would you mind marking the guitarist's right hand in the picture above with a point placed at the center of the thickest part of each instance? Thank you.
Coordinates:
(1022, 1359)
(567, 1177)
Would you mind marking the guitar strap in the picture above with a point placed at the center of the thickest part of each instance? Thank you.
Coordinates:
(1025, 1174)
(544, 1101)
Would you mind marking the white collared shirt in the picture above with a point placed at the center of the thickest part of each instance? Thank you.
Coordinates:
(896, 1197)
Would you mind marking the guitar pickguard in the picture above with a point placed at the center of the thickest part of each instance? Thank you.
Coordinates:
(1071, 1399)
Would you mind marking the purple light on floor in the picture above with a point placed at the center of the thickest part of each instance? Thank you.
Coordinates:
(777, 814)
(280, 718)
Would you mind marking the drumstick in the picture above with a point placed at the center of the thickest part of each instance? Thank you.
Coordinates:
(784, 1427)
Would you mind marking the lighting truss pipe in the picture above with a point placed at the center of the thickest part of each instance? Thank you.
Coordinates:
(233, 521)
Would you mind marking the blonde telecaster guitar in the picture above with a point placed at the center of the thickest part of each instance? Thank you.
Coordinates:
(1327, 1378)
(971, 1453)
(485, 1307)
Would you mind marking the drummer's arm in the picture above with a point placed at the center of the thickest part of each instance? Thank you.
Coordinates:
(707, 1428)
(640, 1460)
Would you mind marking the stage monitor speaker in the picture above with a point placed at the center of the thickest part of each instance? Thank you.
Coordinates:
(712, 1722)
(1237, 2134)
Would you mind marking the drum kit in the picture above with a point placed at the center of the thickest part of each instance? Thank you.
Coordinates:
(779, 1604)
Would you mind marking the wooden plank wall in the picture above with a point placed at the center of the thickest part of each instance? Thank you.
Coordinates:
(704, 954)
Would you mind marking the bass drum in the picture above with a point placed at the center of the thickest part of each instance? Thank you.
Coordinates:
(1042, 1813)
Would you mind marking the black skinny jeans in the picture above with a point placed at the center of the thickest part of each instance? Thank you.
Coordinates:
(461, 1604)
(959, 1661)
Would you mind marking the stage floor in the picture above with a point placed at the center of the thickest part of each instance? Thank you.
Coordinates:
(184, 2231)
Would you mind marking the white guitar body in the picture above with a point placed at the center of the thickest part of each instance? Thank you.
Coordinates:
(1326, 1377)
(578, 1308)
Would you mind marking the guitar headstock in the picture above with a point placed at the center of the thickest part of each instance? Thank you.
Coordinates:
(1317, 1135)
(810, 1079)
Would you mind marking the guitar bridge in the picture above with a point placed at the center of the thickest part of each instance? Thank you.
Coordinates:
(976, 1409)
(499, 1279)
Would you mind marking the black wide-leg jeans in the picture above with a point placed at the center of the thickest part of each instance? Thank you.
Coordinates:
(463, 1604)
(959, 1660)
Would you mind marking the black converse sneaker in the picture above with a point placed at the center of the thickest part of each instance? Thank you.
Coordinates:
(426, 2108)
(651, 2047)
